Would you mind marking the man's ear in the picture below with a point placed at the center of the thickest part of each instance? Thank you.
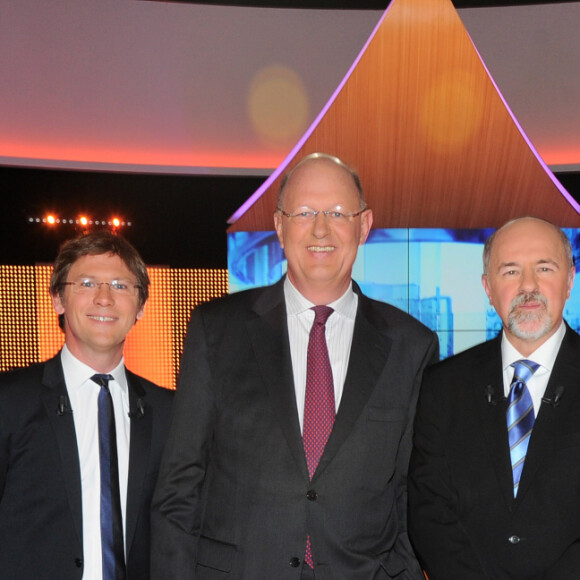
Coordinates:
(140, 313)
(571, 276)
(366, 222)
(57, 303)
(278, 226)
(486, 287)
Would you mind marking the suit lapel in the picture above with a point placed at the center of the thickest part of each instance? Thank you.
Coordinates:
(550, 419)
(268, 333)
(491, 410)
(57, 407)
(139, 453)
(368, 356)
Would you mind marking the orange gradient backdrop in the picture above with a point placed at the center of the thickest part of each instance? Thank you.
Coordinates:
(29, 329)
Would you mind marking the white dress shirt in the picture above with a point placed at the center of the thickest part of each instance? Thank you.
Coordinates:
(83, 396)
(545, 355)
(339, 331)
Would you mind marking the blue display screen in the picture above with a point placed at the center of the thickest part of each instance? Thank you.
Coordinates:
(433, 274)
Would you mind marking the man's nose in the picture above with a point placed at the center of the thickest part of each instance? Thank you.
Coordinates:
(529, 280)
(321, 225)
(104, 294)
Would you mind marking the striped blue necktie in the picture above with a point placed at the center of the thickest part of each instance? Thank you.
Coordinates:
(520, 417)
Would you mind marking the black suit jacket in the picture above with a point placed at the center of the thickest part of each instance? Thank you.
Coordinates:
(464, 521)
(234, 499)
(40, 486)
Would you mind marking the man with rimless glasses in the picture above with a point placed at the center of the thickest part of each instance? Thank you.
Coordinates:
(80, 435)
(287, 456)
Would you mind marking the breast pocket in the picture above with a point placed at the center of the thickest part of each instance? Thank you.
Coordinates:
(214, 557)
(393, 415)
(571, 440)
(378, 443)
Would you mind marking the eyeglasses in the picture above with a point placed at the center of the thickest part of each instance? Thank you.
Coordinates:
(306, 215)
(90, 286)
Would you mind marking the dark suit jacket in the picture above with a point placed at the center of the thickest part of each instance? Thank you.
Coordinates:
(40, 487)
(464, 521)
(234, 499)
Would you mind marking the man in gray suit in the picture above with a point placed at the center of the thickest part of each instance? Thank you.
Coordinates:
(265, 477)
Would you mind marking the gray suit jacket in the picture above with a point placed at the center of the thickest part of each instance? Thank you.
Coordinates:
(234, 499)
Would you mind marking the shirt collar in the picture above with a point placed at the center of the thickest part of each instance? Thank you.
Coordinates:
(296, 303)
(544, 355)
(77, 373)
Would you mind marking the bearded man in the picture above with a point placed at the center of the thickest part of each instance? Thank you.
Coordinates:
(494, 486)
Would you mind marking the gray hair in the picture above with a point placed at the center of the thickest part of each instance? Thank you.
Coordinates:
(563, 238)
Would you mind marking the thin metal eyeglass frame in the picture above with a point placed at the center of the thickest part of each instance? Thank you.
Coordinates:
(322, 211)
(135, 288)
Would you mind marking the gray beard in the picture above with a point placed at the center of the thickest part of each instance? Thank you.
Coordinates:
(518, 319)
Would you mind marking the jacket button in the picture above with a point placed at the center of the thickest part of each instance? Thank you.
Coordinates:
(294, 562)
(312, 495)
(514, 539)
(78, 562)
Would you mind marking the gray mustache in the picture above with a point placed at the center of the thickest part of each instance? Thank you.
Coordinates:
(526, 297)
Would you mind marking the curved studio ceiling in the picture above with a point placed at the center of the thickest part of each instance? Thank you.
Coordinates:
(190, 88)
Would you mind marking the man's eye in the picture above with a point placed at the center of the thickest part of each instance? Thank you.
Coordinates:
(87, 284)
(336, 215)
(119, 285)
(304, 214)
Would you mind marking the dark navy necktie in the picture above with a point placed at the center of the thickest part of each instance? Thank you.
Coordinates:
(319, 405)
(520, 417)
(111, 515)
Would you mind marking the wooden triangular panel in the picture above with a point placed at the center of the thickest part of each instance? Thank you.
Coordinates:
(434, 143)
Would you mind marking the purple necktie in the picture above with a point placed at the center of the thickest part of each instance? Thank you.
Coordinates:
(319, 406)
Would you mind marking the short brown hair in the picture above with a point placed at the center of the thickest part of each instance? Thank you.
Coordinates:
(95, 244)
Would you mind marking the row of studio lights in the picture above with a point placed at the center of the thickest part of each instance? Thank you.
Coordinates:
(83, 221)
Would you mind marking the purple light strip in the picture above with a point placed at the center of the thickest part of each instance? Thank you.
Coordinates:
(539, 159)
(282, 167)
